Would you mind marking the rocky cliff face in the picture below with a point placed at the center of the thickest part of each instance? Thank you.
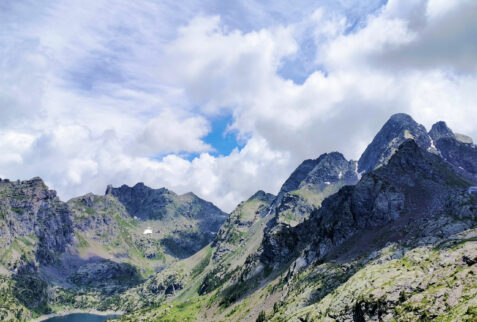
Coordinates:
(35, 226)
(414, 184)
(187, 223)
(456, 149)
(234, 231)
(395, 131)
(96, 217)
(310, 183)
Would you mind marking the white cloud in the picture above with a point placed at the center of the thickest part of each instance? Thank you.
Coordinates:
(118, 93)
(218, 66)
(167, 133)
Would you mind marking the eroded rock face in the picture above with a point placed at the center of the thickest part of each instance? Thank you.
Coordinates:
(456, 149)
(190, 222)
(395, 131)
(461, 154)
(233, 232)
(310, 183)
(414, 184)
(96, 216)
(35, 226)
(103, 272)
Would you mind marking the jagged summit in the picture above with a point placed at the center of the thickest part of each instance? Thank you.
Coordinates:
(148, 203)
(456, 149)
(413, 185)
(394, 132)
(310, 183)
(440, 130)
(138, 189)
(326, 168)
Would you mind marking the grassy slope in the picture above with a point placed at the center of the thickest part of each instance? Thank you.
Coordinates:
(404, 284)
(121, 239)
(310, 197)
(187, 304)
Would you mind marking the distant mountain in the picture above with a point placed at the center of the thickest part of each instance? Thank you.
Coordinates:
(456, 149)
(92, 243)
(413, 185)
(186, 223)
(310, 184)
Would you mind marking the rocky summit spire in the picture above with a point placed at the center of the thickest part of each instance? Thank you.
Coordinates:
(456, 149)
(310, 183)
(440, 130)
(395, 131)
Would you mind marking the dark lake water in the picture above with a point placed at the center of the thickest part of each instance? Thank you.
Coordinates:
(81, 317)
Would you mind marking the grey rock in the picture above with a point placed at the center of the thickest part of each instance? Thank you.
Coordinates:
(240, 222)
(310, 183)
(462, 156)
(414, 184)
(103, 272)
(440, 130)
(32, 212)
(395, 131)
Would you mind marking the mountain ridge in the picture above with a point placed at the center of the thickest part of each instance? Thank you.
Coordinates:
(331, 245)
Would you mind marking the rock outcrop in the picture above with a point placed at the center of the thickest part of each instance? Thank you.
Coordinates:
(395, 131)
(236, 229)
(457, 150)
(414, 184)
(310, 184)
(35, 226)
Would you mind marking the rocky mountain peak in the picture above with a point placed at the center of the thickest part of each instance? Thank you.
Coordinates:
(148, 203)
(28, 209)
(414, 184)
(440, 130)
(456, 149)
(395, 131)
(309, 184)
(327, 168)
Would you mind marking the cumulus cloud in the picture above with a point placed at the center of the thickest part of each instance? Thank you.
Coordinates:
(127, 92)
(446, 40)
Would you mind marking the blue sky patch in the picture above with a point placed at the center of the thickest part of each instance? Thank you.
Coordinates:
(221, 140)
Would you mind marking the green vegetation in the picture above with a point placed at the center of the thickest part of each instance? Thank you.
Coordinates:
(262, 317)
(199, 268)
(82, 242)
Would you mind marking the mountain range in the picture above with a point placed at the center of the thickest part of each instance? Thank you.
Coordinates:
(389, 237)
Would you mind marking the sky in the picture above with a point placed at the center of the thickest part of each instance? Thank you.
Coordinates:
(221, 98)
